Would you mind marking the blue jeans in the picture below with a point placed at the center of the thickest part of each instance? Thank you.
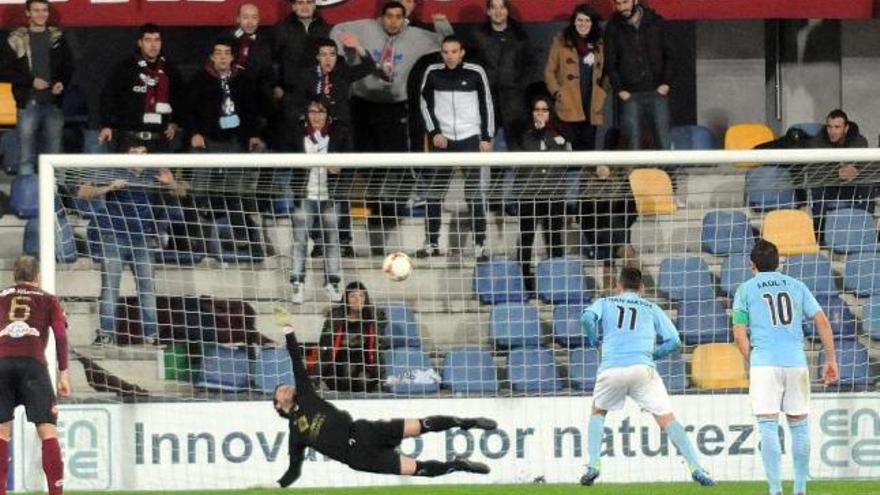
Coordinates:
(119, 248)
(320, 216)
(31, 120)
(635, 109)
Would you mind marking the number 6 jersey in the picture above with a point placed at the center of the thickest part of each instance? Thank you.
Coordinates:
(26, 314)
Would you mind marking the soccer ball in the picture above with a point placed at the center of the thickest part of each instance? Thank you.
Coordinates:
(397, 266)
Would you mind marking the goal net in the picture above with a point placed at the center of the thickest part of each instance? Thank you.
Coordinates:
(170, 268)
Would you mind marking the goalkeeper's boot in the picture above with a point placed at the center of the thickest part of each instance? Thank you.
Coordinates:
(462, 464)
(478, 423)
(702, 477)
(590, 476)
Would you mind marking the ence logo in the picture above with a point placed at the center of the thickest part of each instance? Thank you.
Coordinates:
(85, 440)
(853, 438)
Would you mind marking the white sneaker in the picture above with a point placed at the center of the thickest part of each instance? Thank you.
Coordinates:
(481, 252)
(333, 292)
(298, 293)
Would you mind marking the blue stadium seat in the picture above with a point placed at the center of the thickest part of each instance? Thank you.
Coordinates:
(727, 232)
(692, 137)
(850, 230)
(567, 329)
(224, 367)
(769, 188)
(583, 364)
(814, 270)
(24, 196)
(515, 325)
(861, 273)
(499, 281)
(470, 370)
(843, 323)
(672, 370)
(871, 317)
(736, 269)
(403, 362)
(272, 368)
(852, 359)
(403, 327)
(533, 370)
(811, 128)
(686, 279)
(703, 322)
(562, 280)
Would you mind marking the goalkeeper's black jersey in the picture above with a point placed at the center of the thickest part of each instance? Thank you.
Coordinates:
(314, 422)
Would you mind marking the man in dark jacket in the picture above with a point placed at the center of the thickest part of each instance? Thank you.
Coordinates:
(638, 63)
(503, 50)
(294, 46)
(255, 55)
(39, 64)
(839, 132)
(142, 101)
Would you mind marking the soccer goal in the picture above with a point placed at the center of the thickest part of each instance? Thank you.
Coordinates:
(170, 268)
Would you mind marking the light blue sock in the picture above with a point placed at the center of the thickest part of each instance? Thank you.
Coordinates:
(800, 453)
(595, 432)
(771, 453)
(679, 438)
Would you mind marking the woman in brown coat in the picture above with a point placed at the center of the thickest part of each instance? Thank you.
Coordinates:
(574, 77)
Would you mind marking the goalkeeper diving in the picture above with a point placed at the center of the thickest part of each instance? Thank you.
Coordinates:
(362, 445)
(630, 326)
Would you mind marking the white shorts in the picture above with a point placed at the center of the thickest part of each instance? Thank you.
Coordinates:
(775, 389)
(640, 382)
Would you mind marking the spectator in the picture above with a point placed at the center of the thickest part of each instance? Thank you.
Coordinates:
(331, 80)
(39, 64)
(142, 100)
(315, 207)
(125, 225)
(573, 74)
(457, 109)
(255, 55)
(379, 105)
(224, 120)
(638, 62)
(537, 190)
(351, 343)
(840, 132)
(440, 23)
(294, 45)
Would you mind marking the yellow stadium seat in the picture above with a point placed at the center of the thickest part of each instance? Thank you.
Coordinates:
(791, 231)
(746, 137)
(8, 112)
(718, 366)
(359, 212)
(652, 190)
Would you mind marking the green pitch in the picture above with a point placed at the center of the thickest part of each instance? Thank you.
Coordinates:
(744, 488)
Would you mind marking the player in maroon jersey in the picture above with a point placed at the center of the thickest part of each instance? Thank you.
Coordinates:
(26, 314)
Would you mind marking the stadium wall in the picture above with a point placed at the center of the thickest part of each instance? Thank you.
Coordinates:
(244, 444)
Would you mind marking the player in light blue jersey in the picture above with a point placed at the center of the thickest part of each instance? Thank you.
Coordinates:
(771, 307)
(630, 325)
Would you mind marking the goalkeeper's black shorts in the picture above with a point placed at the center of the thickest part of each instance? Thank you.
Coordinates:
(374, 446)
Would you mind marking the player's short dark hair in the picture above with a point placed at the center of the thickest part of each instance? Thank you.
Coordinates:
(506, 3)
(324, 42)
(630, 278)
(28, 3)
(392, 4)
(149, 28)
(837, 114)
(25, 269)
(765, 256)
(452, 39)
